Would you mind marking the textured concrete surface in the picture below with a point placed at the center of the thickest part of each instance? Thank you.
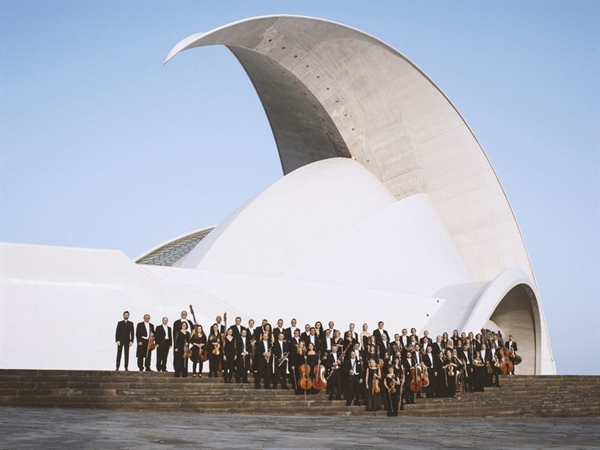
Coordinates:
(24, 428)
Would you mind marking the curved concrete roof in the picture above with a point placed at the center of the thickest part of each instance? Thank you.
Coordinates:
(329, 90)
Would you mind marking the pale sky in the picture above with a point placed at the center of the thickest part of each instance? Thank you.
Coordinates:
(103, 146)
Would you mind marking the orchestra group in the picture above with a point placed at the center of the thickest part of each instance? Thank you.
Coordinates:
(363, 368)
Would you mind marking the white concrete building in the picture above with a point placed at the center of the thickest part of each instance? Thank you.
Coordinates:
(389, 210)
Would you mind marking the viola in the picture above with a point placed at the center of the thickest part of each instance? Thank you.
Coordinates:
(151, 343)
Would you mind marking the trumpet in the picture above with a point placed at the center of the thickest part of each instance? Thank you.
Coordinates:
(267, 356)
(283, 358)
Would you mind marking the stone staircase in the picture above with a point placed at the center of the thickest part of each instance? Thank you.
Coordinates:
(536, 396)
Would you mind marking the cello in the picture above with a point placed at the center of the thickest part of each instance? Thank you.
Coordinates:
(415, 382)
(506, 365)
(320, 382)
(305, 382)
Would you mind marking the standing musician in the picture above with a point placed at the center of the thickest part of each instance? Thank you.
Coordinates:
(512, 348)
(408, 363)
(431, 362)
(291, 331)
(199, 349)
(334, 388)
(464, 354)
(298, 359)
(229, 355)
(353, 367)
(380, 332)
(263, 360)
(364, 336)
(164, 341)
(214, 348)
(143, 332)
(237, 327)
(479, 371)
(281, 352)
(391, 385)
(124, 339)
(372, 386)
(182, 342)
(177, 327)
(278, 330)
(243, 348)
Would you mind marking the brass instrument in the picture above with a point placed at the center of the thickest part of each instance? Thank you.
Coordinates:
(267, 355)
(283, 358)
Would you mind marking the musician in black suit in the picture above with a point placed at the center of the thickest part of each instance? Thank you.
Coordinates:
(379, 332)
(511, 345)
(289, 332)
(143, 331)
(326, 342)
(177, 327)
(278, 329)
(243, 348)
(163, 336)
(432, 363)
(124, 339)
(295, 340)
(333, 363)
(263, 362)
(353, 369)
(237, 327)
(281, 353)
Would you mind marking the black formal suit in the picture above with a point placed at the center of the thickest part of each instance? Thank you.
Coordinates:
(432, 362)
(177, 326)
(437, 348)
(409, 395)
(405, 340)
(277, 331)
(289, 333)
(378, 333)
(325, 343)
(236, 331)
(334, 387)
(352, 369)
(144, 356)
(308, 338)
(294, 341)
(242, 345)
(263, 364)
(123, 337)
(280, 369)
(164, 341)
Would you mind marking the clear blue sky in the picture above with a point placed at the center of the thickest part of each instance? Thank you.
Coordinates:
(104, 147)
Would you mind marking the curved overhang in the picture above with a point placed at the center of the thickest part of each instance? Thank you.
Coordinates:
(329, 90)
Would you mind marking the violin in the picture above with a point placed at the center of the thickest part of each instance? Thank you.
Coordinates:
(320, 382)
(305, 381)
(186, 350)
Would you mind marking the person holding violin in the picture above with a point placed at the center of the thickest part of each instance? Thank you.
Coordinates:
(144, 333)
(372, 386)
(353, 368)
(298, 360)
(391, 385)
(199, 351)
(281, 352)
(181, 351)
(164, 341)
(214, 348)
(263, 360)
(411, 379)
(177, 327)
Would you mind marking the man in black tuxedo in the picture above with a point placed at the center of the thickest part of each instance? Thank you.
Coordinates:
(164, 341)
(379, 332)
(408, 363)
(243, 348)
(326, 343)
(177, 323)
(278, 329)
(289, 332)
(281, 353)
(237, 327)
(332, 365)
(263, 362)
(143, 331)
(432, 367)
(124, 339)
(353, 369)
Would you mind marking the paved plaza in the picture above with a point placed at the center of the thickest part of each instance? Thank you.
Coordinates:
(38, 428)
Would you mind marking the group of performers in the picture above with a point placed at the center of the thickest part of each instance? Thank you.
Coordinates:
(363, 368)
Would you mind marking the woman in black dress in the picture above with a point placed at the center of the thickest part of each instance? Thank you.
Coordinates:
(214, 350)
(228, 356)
(198, 345)
(182, 343)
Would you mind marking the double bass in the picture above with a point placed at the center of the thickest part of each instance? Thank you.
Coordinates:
(506, 365)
